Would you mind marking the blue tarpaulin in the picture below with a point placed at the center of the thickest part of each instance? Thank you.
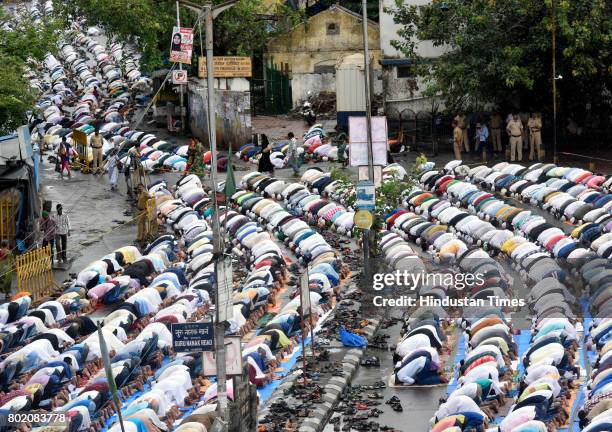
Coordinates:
(351, 339)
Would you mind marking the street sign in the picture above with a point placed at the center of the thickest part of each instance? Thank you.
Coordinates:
(366, 195)
(363, 219)
(225, 294)
(227, 67)
(179, 77)
(191, 337)
(358, 141)
(233, 358)
(305, 292)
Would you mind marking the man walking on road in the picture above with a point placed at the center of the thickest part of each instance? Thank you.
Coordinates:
(515, 132)
(96, 145)
(62, 232)
(292, 154)
(48, 227)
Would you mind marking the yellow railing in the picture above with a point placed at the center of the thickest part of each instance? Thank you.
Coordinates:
(8, 210)
(34, 272)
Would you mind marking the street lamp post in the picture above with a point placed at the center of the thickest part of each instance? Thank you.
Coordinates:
(366, 60)
(554, 81)
(210, 13)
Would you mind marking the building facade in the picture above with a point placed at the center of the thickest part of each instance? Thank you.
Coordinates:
(401, 89)
(311, 50)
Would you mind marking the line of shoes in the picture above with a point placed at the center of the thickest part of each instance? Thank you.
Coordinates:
(395, 404)
(379, 341)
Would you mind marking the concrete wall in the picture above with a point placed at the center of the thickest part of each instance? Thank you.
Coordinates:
(233, 115)
(403, 93)
(302, 83)
(389, 29)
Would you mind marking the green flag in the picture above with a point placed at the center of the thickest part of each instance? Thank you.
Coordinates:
(230, 181)
(109, 375)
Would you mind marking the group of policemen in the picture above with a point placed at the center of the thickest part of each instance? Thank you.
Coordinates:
(523, 130)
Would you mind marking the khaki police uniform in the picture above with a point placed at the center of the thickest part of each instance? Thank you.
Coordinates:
(515, 131)
(535, 137)
(496, 126)
(457, 140)
(462, 124)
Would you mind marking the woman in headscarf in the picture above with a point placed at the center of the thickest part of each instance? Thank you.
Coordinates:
(265, 164)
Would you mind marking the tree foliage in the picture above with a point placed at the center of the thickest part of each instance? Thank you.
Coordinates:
(23, 42)
(501, 51)
(241, 30)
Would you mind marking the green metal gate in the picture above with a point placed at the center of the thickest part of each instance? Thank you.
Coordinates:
(272, 95)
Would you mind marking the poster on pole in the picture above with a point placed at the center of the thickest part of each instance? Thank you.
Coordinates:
(233, 358)
(225, 293)
(358, 141)
(305, 292)
(179, 77)
(181, 45)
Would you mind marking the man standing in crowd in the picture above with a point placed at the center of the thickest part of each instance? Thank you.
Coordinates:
(141, 218)
(62, 232)
(96, 145)
(535, 136)
(482, 139)
(496, 125)
(515, 131)
(48, 227)
(463, 125)
(292, 154)
(457, 139)
(525, 133)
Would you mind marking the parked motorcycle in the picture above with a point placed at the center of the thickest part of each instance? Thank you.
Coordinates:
(308, 113)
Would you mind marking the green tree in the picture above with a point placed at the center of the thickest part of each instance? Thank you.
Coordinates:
(501, 51)
(241, 30)
(23, 43)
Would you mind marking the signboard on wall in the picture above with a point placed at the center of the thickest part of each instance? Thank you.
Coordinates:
(358, 141)
(227, 67)
(181, 45)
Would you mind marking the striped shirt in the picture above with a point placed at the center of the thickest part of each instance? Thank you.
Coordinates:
(63, 224)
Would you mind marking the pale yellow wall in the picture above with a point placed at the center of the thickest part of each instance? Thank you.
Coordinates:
(308, 44)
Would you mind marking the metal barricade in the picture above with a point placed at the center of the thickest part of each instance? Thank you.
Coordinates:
(34, 272)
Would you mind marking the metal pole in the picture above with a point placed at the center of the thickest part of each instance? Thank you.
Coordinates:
(303, 334)
(554, 83)
(217, 235)
(366, 56)
(178, 24)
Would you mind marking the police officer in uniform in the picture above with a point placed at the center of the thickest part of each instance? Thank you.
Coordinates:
(515, 132)
(535, 136)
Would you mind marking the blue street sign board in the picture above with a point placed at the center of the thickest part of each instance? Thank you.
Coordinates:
(192, 337)
(366, 196)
